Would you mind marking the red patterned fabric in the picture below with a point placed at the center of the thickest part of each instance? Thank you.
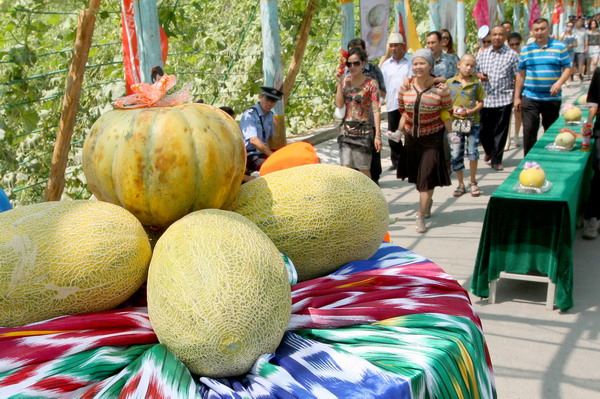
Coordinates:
(365, 297)
(62, 336)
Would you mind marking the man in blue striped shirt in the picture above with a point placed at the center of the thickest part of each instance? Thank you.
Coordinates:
(544, 66)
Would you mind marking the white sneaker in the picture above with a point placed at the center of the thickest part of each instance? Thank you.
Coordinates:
(590, 228)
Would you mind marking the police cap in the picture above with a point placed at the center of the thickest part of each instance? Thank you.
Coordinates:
(271, 93)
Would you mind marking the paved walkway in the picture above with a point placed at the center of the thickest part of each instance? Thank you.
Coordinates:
(536, 353)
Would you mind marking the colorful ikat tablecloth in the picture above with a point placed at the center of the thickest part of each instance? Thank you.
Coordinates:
(393, 326)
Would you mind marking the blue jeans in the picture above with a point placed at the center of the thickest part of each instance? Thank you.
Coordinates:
(457, 150)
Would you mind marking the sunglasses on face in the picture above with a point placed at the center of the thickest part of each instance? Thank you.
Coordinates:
(487, 41)
(514, 44)
(354, 63)
(446, 37)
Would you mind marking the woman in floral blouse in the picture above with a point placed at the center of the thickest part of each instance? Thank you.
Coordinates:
(423, 161)
(359, 134)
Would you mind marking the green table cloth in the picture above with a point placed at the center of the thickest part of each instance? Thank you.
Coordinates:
(526, 232)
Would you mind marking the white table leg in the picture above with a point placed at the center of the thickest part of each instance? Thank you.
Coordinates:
(550, 295)
(492, 296)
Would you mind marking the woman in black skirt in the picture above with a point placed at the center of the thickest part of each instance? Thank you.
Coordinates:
(423, 161)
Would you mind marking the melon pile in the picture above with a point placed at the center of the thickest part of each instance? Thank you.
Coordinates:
(218, 289)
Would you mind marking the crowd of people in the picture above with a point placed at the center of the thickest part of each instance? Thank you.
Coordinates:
(440, 108)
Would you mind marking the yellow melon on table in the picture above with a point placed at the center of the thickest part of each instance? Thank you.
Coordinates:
(68, 257)
(218, 293)
(321, 216)
(573, 114)
(532, 175)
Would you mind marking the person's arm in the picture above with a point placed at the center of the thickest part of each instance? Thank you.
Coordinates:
(376, 110)
(592, 112)
(478, 106)
(566, 74)
(402, 122)
(377, 120)
(339, 94)
(519, 80)
(380, 81)
(388, 54)
(260, 146)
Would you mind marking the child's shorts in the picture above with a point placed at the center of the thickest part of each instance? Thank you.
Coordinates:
(457, 150)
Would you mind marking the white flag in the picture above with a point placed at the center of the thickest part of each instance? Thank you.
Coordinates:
(374, 21)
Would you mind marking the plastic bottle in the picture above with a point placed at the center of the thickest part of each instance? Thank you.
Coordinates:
(586, 133)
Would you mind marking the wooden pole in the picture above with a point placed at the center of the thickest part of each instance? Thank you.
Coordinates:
(294, 68)
(272, 65)
(85, 31)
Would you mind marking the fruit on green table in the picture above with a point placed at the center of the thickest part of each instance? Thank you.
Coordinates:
(321, 216)
(68, 257)
(218, 292)
(532, 177)
(165, 162)
(573, 114)
(582, 99)
(565, 139)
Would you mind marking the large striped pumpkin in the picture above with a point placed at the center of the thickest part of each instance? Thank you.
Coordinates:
(163, 163)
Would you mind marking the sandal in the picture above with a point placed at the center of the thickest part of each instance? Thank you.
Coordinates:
(420, 224)
(428, 211)
(475, 191)
(460, 190)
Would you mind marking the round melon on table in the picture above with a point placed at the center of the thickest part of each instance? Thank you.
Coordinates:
(321, 216)
(162, 163)
(68, 257)
(218, 292)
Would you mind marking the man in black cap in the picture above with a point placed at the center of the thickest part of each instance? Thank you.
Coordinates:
(257, 127)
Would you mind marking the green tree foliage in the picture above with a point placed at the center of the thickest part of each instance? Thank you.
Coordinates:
(216, 45)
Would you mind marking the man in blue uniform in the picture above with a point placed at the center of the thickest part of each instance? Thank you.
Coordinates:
(257, 127)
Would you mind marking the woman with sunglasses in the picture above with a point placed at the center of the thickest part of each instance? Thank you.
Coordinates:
(421, 105)
(359, 135)
(447, 42)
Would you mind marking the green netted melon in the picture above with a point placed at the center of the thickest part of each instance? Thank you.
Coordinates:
(321, 216)
(69, 257)
(218, 292)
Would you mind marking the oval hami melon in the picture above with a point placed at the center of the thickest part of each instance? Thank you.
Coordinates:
(68, 257)
(321, 216)
(218, 293)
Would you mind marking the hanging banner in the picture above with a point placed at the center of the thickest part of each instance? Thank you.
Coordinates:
(534, 12)
(413, 42)
(131, 61)
(448, 17)
(434, 15)
(558, 9)
(481, 13)
(374, 22)
(493, 13)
